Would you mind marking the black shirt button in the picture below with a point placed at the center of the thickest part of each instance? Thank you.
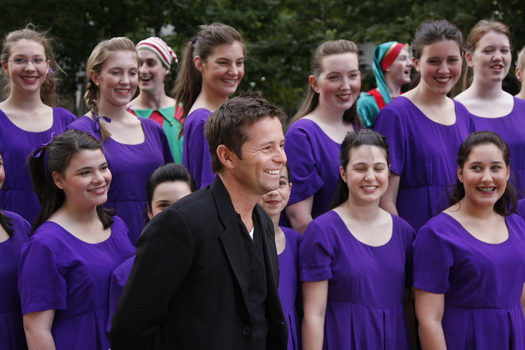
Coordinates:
(246, 330)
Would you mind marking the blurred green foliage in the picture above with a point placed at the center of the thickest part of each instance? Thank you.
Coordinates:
(280, 35)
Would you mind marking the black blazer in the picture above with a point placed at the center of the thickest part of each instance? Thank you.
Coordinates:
(186, 289)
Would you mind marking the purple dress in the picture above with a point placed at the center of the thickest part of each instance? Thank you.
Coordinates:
(131, 165)
(521, 208)
(119, 277)
(196, 151)
(510, 128)
(61, 272)
(15, 146)
(482, 283)
(366, 284)
(313, 158)
(289, 285)
(423, 153)
(12, 335)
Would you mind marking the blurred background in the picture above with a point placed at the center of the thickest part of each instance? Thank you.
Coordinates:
(280, 35)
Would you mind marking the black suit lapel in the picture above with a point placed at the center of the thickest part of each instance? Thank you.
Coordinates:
(232, 235)
(231, 242)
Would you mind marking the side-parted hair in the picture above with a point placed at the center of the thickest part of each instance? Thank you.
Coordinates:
(96, 60)
(508, 203)
(475, 35)
(364, 137)
(48, 92)
(56, 157)
(430, 32)
(227, 125)
(189, 81)
(328, 48)
(168, 173)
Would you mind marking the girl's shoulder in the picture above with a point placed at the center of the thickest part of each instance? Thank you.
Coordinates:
(64, 114)
(84, 122)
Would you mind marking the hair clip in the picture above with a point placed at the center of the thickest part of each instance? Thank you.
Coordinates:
(37, 152)
(194, 40)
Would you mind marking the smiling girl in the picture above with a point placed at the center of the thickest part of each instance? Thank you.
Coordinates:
(212, 68)
(313, 139)
(424, 127)
(134, 146)
(469, 266)
(489, 59)
(287, 244)
(356, 259)
(28, 117)
(66, 265)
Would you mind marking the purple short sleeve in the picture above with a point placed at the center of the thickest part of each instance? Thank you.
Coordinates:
(41, 284)
(389, 123)
(315, 255)
(313, 158)
(119, 277)
(305, 175)
(433, 259)
(16, 194)
(196, 153)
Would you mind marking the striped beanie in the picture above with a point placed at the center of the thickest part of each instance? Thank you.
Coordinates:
(159, 48)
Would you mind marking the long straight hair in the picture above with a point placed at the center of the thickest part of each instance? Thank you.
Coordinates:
(189, 81)
(328, 48)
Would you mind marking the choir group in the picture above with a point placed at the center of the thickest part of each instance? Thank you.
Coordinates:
(396, 218)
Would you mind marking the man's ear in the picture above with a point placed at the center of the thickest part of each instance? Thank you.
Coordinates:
(226, 156)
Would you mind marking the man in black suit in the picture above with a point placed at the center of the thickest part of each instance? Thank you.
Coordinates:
(206, 271)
